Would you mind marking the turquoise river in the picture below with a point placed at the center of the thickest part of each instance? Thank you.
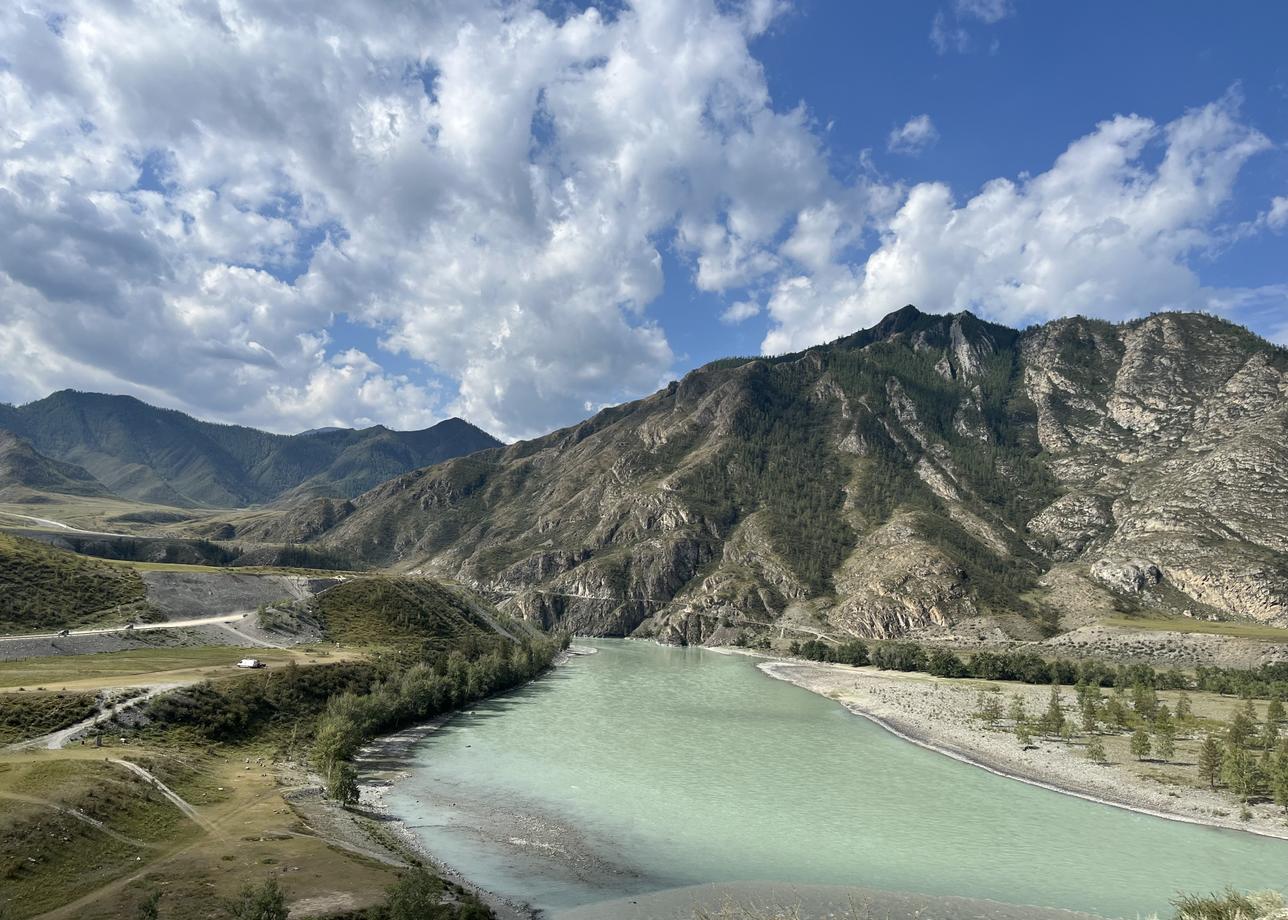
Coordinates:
(641, 768)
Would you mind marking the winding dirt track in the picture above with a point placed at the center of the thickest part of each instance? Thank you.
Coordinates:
(57, 740)
(138, 627)
(178, 801)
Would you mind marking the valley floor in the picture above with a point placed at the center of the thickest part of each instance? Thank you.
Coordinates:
(939, 714)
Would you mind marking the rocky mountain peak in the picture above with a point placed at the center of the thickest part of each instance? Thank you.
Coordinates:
(930, 474)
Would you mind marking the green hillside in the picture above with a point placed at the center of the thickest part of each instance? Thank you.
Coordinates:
(398, 612)
(22, 468)
(165, 457)
(42, 588)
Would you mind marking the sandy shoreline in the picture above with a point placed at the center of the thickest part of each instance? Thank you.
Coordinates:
(937, 715)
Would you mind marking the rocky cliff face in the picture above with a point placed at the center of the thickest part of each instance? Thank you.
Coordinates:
(924, 476)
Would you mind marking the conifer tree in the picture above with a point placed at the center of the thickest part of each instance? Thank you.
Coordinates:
(1023, 733)
(989, 709)
(1210, 761)
(1241, 730)
(1053, 718)
(1165, 742)
(1279, 780)
(1240, 772)
(1140, 745)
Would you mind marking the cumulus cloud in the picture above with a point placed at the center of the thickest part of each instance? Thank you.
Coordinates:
(1106, 231)
(913, 136)
(739, 311)
(195, 198)
(190, 194)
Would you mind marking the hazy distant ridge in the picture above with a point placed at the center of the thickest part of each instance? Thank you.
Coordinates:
(159, 455)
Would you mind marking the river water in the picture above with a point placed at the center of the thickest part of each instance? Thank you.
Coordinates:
(641, 769)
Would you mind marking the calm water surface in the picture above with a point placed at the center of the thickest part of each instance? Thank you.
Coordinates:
(644, 768)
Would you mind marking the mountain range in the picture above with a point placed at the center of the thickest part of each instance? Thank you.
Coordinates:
(92, 443)
(933, 474)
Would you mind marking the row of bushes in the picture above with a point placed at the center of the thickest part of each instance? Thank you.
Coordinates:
(421, 692)
(1265, 682)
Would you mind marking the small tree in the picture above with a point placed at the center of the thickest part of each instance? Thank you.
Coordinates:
(1184, 709)
(1163, 717)
(1089, 703)
(1279, 781)
(1118, 713)
(1023, 733)
(417, 894)
(1165, 742)
(1242, 729)
(342, 784)
(1144, 699)
(1210, 761)
(1017, 712)
(265, 902)
(1240, 772)
(1053, 718)
(1096, 751)
(1140, 745)
(1275, 711)
(989, 710)
(150, 906)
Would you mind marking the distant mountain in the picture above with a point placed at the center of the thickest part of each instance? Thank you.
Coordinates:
(166, 457)
(23, 470)
(931, 475)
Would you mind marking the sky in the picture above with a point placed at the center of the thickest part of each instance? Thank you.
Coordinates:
(292, 214)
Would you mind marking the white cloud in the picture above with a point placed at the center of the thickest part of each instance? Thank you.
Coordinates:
(194, 196)
(946, 35)
(1277, 216)
(1102, 232)
(989, 11)
(913, 136)
(484, 184)
(739, 311)
(948, 28)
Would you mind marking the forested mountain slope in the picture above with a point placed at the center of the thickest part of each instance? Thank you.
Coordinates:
(23, 471)
(165, 457)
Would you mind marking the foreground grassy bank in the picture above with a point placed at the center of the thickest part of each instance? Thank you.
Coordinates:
(214, 784)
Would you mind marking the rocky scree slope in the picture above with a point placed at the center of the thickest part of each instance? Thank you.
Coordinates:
(931, 475)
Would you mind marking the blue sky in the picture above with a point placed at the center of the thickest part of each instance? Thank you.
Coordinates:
(1011, 103)
(293, 216)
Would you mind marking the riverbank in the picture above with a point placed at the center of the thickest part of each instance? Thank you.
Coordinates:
(938, 714)
(383, 762)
